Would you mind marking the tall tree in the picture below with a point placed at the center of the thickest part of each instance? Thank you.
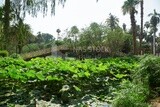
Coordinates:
(39, 38)
(20, 7)
(20, 34)
(1, 26)
(47, 37)
(23, 33)
(58, 33)
(6, 22)
(155, 19)
(74, 31)
(147, 24)
(91, 36)
(129, 7)
(1, 34)
(96, 32)
(112, 21)
(115, 41)
(124, 27)
(140, 38)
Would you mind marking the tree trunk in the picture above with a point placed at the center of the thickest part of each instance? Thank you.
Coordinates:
(6, 23)
(154, 44)
(141, 35)
(19, 47)
(133, 25)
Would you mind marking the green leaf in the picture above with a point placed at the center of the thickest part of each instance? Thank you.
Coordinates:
(80, 74)
(75, 76)
(76, 88)
(29, 65)
(3, 74)
(55, 78)
(40, 76)
(30, 74)
(87, 74)
(119, 76)
(84, 67)
(49, 78)
(12, 73)
(73, 69)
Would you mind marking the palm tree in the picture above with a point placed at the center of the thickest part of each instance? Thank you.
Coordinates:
(141, 35)
(112, 21)
(155, 19)
(124, 27)
(147, 24)
(129, 7)
(58, 32)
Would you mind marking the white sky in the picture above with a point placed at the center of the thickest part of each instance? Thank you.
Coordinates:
(83, 12)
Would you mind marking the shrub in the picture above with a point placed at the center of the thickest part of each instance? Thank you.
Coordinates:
(16, 56)
(131, 95)
(31, 47)
(149, 74)
(116, 40)
(4, 53)
(96, 76)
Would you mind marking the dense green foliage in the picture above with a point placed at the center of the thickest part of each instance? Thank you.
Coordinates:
(50, 76)
(131, 95)
(125, 81)
(144, 85)
(117, 41)
(78, 69)
(149, 74)
(4, 53)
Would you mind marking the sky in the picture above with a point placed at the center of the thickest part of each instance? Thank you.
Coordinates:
(83, 12)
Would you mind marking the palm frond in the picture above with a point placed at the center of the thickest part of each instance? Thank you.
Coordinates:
(150, 14)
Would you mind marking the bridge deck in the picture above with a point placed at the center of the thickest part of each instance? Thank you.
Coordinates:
(62, 49)
(42, 52)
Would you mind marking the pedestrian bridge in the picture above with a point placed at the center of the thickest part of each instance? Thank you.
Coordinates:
(61, 50)
(44, 52)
